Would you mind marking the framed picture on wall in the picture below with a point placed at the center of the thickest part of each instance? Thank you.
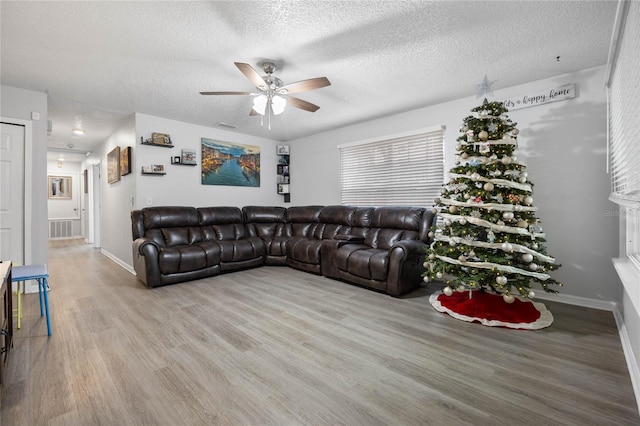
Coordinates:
(125, 161)
(188, 156)
(59, 187)
(113, 165)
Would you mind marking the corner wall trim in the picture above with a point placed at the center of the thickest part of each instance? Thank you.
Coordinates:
(119, 261)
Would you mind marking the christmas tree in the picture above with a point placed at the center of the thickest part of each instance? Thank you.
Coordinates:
(487, 235)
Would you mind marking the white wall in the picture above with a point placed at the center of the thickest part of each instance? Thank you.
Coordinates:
(182, 186)
(116, 198)
(20, 103)
(563, 144)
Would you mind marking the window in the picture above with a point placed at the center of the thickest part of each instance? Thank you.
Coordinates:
(623, 92)
(402, 170)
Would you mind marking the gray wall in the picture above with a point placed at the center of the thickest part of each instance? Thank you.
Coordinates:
(20, 103)
(563, 145)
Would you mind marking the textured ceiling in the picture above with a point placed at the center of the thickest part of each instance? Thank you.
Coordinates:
(101, 61)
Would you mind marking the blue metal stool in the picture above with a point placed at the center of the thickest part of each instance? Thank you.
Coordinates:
(40, 274)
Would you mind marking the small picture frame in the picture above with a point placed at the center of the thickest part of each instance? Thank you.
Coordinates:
(175, 159)
(188, 156)
(113, 165)
(60, 187)
(125, 161)
(283, 188)
(160, 139)
(282, 149)
(283, 169)
(157, 168)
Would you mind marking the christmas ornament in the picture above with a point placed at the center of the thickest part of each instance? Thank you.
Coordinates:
(531, 295)
(453, 209)
(528, 200)
(488, 186)
(507, 215)
(522, 224)
(508, 298)
(527, 257)
(501, 279)
(533, 266)
(506, 160)
(439, 275)
(447, 291)
(483, 135)
(506, 247)
(461, 288)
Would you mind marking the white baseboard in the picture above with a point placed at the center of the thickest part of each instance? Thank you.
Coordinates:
(119, 261)
(632, 365)
(586, 302)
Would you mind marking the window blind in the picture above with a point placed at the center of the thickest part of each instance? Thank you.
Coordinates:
(624, 111)
(405, 170)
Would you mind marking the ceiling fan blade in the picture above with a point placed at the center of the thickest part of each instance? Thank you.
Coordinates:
(253, 112)
(304, 85)
(299, 103)
(226, 93)
(252, 75)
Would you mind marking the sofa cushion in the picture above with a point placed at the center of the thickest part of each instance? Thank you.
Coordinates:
(363, 261)
(304, 250)
(169, 217)
(182, 258)
(240, 250)
(392, 224)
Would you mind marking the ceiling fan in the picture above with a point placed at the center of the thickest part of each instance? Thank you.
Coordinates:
(273, 95)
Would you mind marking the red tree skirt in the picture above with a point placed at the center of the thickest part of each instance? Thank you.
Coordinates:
(492, 310)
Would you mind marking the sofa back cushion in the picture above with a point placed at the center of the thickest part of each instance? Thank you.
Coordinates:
(303, 222)
(222, 223)
(264, 222)
(170, 226)
(392, 224)
(344, 220)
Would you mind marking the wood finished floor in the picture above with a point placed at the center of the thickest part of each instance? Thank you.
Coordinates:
(277, 346)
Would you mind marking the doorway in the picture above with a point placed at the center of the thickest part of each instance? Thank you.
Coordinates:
(12, 201)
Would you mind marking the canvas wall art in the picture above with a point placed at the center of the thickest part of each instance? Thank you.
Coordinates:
(232, 164)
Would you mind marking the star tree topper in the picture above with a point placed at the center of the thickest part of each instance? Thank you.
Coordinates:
(485, 87)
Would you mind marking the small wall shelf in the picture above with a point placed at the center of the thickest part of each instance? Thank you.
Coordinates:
(157, 144)
(154, 173)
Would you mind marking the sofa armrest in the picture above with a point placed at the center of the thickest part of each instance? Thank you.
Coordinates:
(405, 266)
(146, 261)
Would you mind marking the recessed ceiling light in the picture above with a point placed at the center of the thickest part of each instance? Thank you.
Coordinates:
(78, 131)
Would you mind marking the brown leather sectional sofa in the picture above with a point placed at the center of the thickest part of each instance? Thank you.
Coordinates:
(381, 248)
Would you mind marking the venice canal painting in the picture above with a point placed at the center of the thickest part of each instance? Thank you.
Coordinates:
(231, 164)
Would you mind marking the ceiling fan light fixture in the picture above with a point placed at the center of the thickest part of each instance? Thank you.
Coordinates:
(78, 131)
(277, 104)
(260, 104)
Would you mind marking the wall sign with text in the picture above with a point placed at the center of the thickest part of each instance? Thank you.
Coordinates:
(562, 93)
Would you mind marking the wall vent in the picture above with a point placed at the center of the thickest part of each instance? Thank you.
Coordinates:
(226, 125)
(60, 229)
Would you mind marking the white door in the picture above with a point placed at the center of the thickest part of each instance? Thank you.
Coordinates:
(12, 143)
